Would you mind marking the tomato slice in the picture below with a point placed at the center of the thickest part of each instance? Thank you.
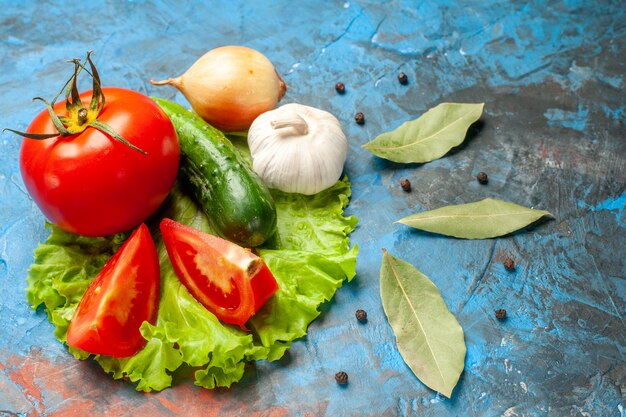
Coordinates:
(121, 297)
(228, 280)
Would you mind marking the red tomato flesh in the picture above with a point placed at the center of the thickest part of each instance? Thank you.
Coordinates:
(121, 297)
(92, 184)
(228, 280)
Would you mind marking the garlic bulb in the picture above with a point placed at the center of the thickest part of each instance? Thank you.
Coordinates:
(297, 148)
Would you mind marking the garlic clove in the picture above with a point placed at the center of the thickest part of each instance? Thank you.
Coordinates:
(297, 148)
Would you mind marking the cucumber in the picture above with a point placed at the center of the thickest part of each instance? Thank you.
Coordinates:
(239, 206)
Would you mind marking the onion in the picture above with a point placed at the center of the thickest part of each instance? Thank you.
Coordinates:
(230, 86)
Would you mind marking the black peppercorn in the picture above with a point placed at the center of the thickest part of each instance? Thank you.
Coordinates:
(500, 314)
(361, 315)
(509, 264)
(482, 178)
(402, 78)
(359, 118)
(341, 377)
(405, 184)
(340, 88)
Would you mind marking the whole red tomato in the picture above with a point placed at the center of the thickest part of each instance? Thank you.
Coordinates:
(92, 184)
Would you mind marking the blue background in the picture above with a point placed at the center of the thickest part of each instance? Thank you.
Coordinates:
(552, 77)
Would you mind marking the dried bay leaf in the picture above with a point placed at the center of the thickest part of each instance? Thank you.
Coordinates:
(430, 136)
(428, 336)
(483, 219)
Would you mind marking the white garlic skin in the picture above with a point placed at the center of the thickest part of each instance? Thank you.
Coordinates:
(298, 158)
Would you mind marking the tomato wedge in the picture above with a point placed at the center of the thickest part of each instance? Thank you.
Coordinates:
(121, 297)
(228, 280)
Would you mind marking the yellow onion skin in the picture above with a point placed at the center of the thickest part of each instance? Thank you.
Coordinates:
(230, 86)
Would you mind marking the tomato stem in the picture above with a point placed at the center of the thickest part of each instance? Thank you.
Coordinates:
(82, 116)
(78, 116)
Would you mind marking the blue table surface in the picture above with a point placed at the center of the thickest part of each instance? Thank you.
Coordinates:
(552, 77)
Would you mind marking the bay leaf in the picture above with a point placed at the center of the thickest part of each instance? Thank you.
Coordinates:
(430, 136)
(483, 219)
(428, 336)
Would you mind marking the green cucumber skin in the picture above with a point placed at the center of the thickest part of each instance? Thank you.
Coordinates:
(239, 206)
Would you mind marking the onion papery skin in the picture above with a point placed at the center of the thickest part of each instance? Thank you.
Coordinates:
(230, 86)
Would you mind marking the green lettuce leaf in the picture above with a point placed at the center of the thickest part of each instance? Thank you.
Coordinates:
(310, 256)
(314, 223)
